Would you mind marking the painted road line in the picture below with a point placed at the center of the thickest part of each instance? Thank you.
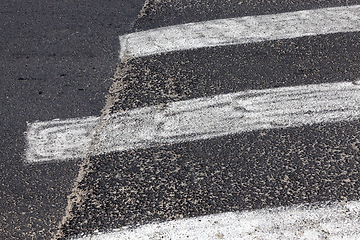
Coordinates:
(323, 221)
(59, 139)
(195, 119)
(242, 30)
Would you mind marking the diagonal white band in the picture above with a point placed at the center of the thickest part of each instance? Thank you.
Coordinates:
(333, 221)
(195, 119)
(240, 30)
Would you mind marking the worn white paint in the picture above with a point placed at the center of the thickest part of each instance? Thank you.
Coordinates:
(59, 139)
(322, 221)
(240, 30)
(195, 119)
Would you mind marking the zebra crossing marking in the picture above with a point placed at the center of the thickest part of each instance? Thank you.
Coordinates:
(194, 119)
(241, 30)
(327, 221)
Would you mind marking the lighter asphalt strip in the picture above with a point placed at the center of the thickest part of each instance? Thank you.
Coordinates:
(322, 221)
(240, 31)
(194, 119)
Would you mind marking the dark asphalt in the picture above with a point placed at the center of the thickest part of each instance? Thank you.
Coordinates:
(204, 72)
(308, 164)
(57, 61)
(247, 171)
(171, 12)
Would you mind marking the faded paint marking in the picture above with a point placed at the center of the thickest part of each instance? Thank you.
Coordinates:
(195, 119)
(241, 30)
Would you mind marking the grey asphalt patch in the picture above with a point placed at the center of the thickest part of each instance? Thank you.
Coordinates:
(57, 58)
(33, 199)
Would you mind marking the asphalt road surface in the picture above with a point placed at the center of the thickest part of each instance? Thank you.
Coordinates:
(178, 166)
(241, 128)
(57, 61)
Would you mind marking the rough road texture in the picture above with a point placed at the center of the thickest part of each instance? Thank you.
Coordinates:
(249, 170)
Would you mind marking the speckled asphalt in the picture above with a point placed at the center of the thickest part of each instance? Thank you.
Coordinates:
(246, 171)
(58, 61)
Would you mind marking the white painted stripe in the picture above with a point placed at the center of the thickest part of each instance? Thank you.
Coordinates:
(59, 139)
(324, 221)
(196, 119)
(241, 30)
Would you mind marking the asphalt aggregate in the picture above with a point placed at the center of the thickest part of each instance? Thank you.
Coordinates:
(247, 171)
(60, 60)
